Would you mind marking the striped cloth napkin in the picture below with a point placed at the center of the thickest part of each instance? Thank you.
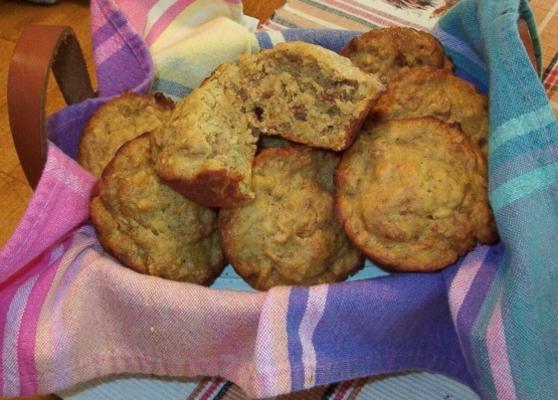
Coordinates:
(70, 313)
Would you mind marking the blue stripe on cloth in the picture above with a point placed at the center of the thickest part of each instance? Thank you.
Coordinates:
(521, 145)
(525, 162)
(481, 84)
(523, 186)
(298, 300)
(170, 88)
(330, 39)
(457, 46)
(522, 125)
(105, 32)
(263, 40)
(357, 338)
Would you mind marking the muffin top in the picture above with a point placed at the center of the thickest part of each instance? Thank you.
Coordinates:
(117, 121)
(148, 226)
(412, 194)
(436, 93)
(288, 234)
(388, 51)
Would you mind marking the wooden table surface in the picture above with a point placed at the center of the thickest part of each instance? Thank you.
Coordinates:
(14, 190)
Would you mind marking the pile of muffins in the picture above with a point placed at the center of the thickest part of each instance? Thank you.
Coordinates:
(294, 164)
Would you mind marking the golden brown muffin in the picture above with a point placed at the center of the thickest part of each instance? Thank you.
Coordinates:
(436, 93)
(288, 234)
(299, 91)
(412, 194)
(307, 94)
(148, 226)
(117, 121)
(388, 51)
(205, 150)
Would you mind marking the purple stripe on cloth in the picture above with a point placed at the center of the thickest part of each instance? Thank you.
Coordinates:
(168, 16)
(28, 378)
(297, 305)
(462, 280)
(120, 73)
(400, 323)
(106, 31)
(105, 50)
(474, 300)
(132, 68)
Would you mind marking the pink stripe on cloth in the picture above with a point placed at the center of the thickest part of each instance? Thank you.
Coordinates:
(7, 293)
(60, 203)
(498, 355)
(464, 278)
(164, 21)
(136, 12)
(272, 345)
(11, 382)
(27, 338)
(109, 47)
(52, 338)
(113, 320)
(97, 17)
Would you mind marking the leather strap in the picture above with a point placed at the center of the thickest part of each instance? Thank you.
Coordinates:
(38, 49)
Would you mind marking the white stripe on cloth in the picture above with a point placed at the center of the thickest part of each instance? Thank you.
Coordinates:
(11, 336)
(276, 37)
(498, 355)
(155, 13)
(315, 306)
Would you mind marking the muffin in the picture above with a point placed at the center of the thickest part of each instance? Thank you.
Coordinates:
(389, 51)
(412, 194)
(288, 234)
(298, 91)
(149, 227)
(117, 121)
(436, 93)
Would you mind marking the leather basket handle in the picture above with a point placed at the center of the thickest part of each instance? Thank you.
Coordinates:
(38, 49)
